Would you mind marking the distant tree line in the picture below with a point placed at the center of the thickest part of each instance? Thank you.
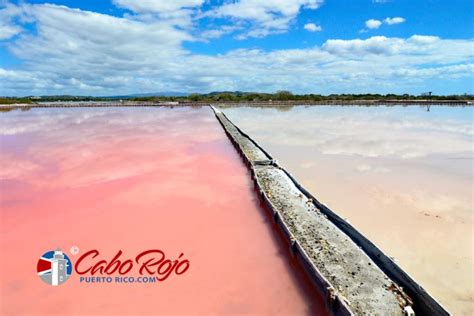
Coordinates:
(54, 98)
(14, 100)
(288, 96)
(231, 96)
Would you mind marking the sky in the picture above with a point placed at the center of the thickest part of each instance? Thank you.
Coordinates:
(121, 47)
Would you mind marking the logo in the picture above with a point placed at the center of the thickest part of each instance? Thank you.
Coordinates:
(149, 266)
(54, 267)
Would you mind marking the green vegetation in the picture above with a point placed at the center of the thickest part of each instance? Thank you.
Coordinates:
(14, 100)
(231, 97)
(54, 98)
(288, 96)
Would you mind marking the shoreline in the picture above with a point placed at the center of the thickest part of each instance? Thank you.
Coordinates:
(270, 104)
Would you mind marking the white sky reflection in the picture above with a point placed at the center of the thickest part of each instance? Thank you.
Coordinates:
(401, 175)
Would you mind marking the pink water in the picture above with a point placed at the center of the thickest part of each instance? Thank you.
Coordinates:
(137, 179)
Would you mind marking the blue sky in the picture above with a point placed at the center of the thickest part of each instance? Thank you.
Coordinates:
(305, 46)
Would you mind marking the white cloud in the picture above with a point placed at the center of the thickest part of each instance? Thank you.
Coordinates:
(265, 17)
(146, 6)
(80, 52)
(414, 46)
(8, 28)
(179, 13)
(218, 32)
(379, 45)
(395, 20)
(424, 39)
(373, 24)
(8, 31)
(312, 27)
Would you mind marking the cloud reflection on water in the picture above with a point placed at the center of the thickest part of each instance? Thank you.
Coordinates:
(401, 175)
